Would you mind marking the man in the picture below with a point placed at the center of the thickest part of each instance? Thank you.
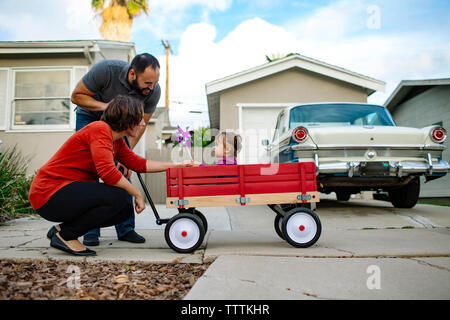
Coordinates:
(105, 80)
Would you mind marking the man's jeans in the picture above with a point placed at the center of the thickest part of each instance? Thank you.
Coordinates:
(121, 228)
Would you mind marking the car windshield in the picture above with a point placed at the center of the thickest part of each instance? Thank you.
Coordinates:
(339, 115)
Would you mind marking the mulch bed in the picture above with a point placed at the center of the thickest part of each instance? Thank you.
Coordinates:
(103, 280)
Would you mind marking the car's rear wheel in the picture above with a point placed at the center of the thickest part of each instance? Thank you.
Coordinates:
(406, 196)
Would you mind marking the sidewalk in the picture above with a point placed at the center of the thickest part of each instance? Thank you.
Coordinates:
(411, 247)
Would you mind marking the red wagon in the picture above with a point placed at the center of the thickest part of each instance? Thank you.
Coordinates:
(284, 187)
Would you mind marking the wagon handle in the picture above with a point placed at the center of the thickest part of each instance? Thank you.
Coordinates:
(159, 221)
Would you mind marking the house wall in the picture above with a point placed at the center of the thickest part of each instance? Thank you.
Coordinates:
(38, 147)
(290, 86)
(425, 109)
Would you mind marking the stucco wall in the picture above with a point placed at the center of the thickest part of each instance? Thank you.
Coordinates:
(39, 147)
(290, 86)
(428, 108)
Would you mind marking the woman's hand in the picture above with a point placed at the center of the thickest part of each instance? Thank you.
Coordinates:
(189, 163)
(139, 203)
(124, 170)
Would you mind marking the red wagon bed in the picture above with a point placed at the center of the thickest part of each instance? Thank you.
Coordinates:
(254, 184)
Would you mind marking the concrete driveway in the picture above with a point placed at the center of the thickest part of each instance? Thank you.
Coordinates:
(367, 250)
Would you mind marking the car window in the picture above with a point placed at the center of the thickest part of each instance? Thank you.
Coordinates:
(339, 115)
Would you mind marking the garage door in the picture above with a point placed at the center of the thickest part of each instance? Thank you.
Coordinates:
(257, 123)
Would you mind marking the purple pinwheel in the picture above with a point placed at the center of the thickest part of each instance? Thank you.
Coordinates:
(185, 139)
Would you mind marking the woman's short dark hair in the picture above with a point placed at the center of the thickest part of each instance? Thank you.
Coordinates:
(142, 61)
(123, 112)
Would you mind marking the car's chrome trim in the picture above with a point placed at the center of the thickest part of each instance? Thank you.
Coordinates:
(303, 147)
(398, 168)
(379, 146)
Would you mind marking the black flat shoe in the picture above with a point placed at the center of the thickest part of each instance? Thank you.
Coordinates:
(51, 232)
(58, 244)
(132, 237)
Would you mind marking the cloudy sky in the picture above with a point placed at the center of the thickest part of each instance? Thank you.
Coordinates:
(389, 40)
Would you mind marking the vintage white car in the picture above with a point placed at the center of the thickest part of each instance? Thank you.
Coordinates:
(357, 147)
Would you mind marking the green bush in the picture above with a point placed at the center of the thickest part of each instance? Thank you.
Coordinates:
(14, 185)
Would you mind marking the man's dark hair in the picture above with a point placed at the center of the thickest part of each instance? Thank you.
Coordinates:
(123, 112)
(142, 61)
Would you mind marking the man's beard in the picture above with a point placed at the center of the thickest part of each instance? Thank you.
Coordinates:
(135, 86)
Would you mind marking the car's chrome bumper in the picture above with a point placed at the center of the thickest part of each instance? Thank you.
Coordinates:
(394, 169)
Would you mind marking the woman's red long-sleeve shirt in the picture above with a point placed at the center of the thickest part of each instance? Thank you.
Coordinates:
(86, 156)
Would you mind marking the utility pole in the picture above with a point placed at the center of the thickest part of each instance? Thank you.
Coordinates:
(166, 45)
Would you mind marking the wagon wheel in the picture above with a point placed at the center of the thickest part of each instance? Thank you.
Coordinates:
(301, 227)
(198, 214)
(277, 224)
(184, 233)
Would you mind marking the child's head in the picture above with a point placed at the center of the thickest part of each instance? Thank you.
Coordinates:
(227, 144)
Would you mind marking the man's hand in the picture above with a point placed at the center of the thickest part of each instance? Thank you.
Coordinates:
(125, 171)
(139, 204)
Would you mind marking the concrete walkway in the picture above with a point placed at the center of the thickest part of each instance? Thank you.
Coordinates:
(368, 250)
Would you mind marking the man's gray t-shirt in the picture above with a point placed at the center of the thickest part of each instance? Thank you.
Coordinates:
(109, 78)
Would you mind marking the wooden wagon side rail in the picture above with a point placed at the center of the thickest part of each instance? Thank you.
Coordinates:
(251, 199)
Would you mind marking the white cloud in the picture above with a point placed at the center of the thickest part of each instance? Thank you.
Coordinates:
(166, 18)
(339, 34)
(36, 20)
(177, 5)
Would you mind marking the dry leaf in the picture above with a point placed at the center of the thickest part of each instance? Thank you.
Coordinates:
(123, 278)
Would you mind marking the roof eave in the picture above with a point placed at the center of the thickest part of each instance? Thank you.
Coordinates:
(65, 46)
(405, 86)
(295, 61)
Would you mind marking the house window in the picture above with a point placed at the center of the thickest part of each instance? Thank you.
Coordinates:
(41, 98)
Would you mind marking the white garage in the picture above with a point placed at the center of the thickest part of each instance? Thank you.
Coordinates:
(256, 123)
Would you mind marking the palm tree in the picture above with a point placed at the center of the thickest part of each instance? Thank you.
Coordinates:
(118, 16)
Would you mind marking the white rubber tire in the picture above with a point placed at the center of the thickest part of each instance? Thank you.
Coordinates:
(184, 233)
(301, 227)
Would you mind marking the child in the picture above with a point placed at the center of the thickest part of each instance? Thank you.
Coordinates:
(227, 145)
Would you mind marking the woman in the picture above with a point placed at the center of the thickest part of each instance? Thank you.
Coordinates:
(66, 188)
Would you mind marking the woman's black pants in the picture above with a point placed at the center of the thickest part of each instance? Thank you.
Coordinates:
(82, 206)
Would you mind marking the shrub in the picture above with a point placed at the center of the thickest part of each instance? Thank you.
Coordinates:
(14, 185)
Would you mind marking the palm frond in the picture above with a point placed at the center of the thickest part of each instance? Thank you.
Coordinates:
(98, 5)
(136, 6)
